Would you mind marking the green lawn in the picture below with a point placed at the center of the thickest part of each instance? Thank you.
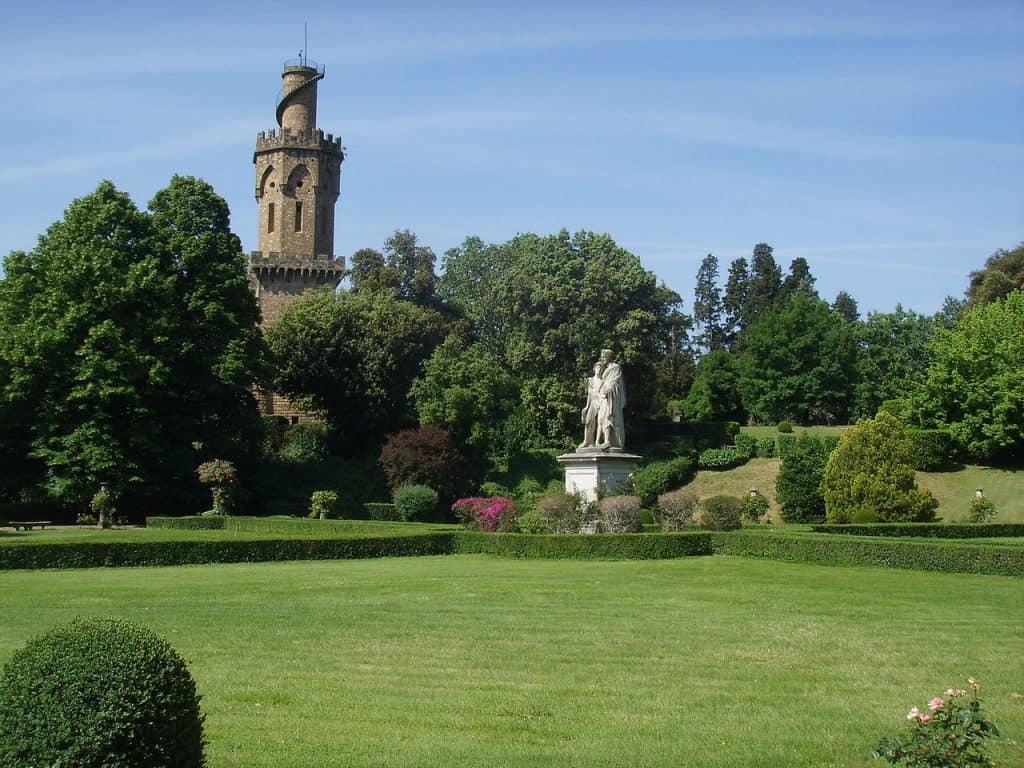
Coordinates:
(247, 528)
(771, 431)
(480, 661)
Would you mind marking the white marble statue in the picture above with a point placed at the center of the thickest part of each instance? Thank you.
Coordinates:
(603, 426)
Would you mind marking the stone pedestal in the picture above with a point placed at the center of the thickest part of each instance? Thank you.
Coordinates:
(588, 470)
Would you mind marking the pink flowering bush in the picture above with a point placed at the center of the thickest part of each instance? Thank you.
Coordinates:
(492, 513)
(950, 733)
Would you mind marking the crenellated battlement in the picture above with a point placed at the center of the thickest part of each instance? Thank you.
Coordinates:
(272, 261)
(274, 139)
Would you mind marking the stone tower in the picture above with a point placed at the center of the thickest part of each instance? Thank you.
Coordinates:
(298, 177)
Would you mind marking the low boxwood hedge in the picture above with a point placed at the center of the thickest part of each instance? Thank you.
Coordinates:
(945, 556)
(927, 530)
(601, 546)
(87, 554)
(210, 523)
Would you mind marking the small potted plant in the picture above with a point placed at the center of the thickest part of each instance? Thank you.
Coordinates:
(323, 504)
(102, 507)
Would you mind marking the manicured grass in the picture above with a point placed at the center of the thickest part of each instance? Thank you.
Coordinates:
(955, 489)
(278, 528)
(772, 431)
(481, 661)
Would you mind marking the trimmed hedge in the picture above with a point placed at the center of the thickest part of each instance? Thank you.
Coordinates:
(599, 546)
(947, 557)
(381, 511)
(928, 530)
(196, 523)
(658, 477)
(766, 448)
(86, 554)
(784, 444)
(722, 458)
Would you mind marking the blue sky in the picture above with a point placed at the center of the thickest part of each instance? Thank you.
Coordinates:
(881, 141)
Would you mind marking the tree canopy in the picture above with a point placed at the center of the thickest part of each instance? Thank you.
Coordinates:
(798, 364)
(353, 356)
(131, 339)
(1002, 274)
(974, 386)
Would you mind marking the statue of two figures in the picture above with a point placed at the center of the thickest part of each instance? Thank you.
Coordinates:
(603, 428)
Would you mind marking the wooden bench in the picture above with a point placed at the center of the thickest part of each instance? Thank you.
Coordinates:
(29, 525)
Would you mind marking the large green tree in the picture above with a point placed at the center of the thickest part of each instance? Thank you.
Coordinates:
(765, 284)
(798, 364)
(708, 312)
(466, 390)
(892, 357)
(734, 300)
(565, 298)
(354, 356)
(405, 269)
(975, 382)
(122, 329)
(714, 394)
(473, 273)
(1002, 274)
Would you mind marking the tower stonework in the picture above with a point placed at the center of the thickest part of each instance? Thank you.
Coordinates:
(298, 179)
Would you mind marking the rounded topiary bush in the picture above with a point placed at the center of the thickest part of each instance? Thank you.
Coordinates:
(785, 427)
(99, 692)
(416, 502)
(722, 513)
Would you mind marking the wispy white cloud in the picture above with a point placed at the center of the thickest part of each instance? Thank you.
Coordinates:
(210, 137)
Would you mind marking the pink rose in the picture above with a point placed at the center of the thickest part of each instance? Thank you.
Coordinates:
(935, 703)
(925, 717)
(913, 714)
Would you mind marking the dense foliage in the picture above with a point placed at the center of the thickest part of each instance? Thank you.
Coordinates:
(552, 304)
(416, 503)
(354, 356)
(715, 394)
(975, 383)
(129, 347)
(425, 456)
(870, 475)
(99, 693)
(798, 364)
(658, 477)
(798, 484)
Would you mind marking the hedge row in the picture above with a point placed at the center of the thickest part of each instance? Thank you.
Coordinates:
(948, 557)
(211, 523)
(601, 546)
(927, 530)
(117, 554)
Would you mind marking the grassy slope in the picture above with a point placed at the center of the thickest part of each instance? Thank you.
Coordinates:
(470, 661)
(953, 489)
